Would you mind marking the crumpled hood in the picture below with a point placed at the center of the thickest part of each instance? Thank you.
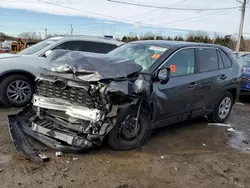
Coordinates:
(91, 66)
(7, 55)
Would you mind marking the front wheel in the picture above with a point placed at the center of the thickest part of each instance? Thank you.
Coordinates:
(16, 90)
(222, 109)
(126, 135)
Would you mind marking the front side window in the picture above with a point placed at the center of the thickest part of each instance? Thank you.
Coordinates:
(39, 46)
(181, 63)
(208, 59)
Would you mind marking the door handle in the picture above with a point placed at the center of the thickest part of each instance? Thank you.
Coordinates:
(192, 85)
(223, 77)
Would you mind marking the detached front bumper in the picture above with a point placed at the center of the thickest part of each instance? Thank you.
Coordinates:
(21, 126)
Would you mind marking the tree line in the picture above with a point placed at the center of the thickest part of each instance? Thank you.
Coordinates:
(224, 41)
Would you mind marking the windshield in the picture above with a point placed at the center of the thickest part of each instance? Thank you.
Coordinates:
(143, 54)
(37, 47)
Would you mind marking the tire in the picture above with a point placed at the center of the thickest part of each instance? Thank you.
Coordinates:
(117, 138)
(25, 89)
(216, 116)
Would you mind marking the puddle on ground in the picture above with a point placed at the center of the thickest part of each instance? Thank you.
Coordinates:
(5, 159)
(239, 140)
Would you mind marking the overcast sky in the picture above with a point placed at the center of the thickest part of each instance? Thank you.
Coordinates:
(221, 21)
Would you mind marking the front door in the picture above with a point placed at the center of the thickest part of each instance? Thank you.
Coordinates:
(172, 102)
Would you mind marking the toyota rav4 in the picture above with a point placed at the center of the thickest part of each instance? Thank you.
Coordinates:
(125, 94)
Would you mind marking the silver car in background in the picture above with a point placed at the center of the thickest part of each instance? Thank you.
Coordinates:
(18, 71)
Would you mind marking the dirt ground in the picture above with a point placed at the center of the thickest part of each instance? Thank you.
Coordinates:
(190, 154)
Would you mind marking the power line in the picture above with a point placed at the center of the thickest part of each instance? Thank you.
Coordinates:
(198, 18)
(79, 10)
(158, 9)
(171, 8)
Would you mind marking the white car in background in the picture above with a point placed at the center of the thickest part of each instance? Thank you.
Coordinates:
(18, 71)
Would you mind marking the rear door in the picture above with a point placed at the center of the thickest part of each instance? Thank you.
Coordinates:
(213, 74)
(172, 102)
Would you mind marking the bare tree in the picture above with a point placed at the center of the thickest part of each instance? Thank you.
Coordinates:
(29, 35)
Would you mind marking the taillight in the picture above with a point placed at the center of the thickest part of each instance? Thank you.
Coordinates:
(243, 70)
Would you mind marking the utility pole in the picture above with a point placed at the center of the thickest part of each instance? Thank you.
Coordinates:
(243, 9)
(71, 29)
(46, 33)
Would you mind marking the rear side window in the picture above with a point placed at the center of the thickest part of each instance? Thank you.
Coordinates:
(208, 59)
(86, 46)
(97, 47)
(226, 60)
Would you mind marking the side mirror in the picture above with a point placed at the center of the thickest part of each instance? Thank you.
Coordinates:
(163, 75)
(46, 54)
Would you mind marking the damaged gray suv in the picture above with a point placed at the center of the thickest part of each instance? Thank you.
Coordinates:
(83, 98)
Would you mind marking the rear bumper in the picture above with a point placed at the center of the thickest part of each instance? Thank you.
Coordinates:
(20, 128)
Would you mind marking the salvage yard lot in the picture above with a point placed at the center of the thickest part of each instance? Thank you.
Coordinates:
(190, 154)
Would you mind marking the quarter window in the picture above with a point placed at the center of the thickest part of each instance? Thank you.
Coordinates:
(208, 59)
(226, 61)
(181, 63)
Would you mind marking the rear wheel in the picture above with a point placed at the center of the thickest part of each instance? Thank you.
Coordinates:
(126, 135)
(16, 90)
(222, 109)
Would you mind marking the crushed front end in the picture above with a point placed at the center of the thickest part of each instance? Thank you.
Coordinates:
(67, 115)
(76, 102)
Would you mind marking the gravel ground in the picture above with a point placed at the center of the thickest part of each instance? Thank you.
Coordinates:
(190, 154)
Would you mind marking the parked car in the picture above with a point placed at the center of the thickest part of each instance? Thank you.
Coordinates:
(18, 72)
(125, 94)
(245, 81)
(5, 50)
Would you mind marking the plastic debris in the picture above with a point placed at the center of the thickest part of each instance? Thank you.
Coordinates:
(162, 157)
(239, 103)
(230, 130)
(239, 185)
(59, 154)
(65, 169)
(204, 145)
(67, 162)
(245, 141)
(44, 157)
(219, 124)
(75, 159)
(176, 168)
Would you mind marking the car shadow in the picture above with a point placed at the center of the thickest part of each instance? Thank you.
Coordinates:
(189, 136)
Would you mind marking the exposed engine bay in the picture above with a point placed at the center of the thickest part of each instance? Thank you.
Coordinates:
(70, 114)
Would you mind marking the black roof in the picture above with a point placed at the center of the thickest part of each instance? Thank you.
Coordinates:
(175, 44)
